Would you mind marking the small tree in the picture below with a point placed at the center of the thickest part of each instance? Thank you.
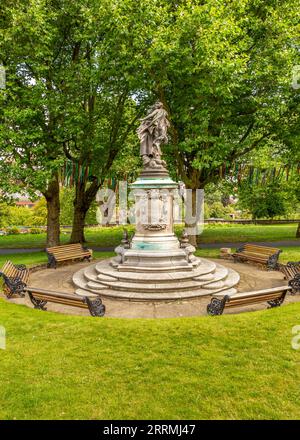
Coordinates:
(263, 201)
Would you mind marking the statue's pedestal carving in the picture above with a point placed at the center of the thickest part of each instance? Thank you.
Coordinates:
(154, 244)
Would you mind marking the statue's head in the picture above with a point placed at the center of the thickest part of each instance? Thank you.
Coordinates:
(158, 104)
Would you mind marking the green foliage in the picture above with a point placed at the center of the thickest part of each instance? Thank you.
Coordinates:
(13, 231)
(11, 215)
(24, 216)
(18, 216)
(218, 210)
(3, 214)
(223, 69)
(39, 213)
(67, 208)
(81, 73)
(267, 201)
(34, 231)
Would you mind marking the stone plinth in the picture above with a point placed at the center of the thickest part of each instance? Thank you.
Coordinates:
(154, 245)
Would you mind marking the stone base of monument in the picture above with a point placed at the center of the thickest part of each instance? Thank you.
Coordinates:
(204, 278)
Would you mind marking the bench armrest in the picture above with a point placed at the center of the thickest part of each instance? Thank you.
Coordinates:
(21, 267)
(95, 306)
(295, 283)
(14, 284)
(216, 305)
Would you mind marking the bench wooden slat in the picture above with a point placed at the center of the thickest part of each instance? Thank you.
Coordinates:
(259, 254)
(291, 272)
(67, 252)
(249, 301)
(70, 256)
(259, 246)
(66, 302)
(274, 296)
(39, 298)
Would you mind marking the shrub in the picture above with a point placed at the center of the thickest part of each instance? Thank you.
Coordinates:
(217, 210)
(39, 213)
(35, 231)
(13, 231)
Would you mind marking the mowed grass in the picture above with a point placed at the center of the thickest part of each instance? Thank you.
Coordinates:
(242, 233)
(71, 367)
(111, 236)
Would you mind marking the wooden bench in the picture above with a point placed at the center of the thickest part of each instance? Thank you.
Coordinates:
(291, 272)
(58, 254)
(15, 278)
(258, 254)
(274, 297)
(39, 298)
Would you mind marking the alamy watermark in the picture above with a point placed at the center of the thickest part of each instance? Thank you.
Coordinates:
(2, 77)
(2, 338)
(153, 208)
(296, 337)
(296, 77)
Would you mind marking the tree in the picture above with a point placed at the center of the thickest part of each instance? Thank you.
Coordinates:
(105, 96)
(73, 93)
(263, 201)
(223, 70)
(31, 155)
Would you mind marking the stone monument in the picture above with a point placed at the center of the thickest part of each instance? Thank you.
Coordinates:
(154, 264)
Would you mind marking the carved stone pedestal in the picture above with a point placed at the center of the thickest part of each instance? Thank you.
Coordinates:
(154, 245)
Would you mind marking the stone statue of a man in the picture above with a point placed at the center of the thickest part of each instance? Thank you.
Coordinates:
(152, 132)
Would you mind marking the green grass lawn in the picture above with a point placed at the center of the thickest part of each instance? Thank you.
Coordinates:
(111, 236)
(70, 367)
(242, 233)
(233, 367)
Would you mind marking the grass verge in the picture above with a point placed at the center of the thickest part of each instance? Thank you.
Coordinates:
(111, 236)
(229, 367)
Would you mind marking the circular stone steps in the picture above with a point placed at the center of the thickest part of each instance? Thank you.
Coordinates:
(205, 267)
(208, 278)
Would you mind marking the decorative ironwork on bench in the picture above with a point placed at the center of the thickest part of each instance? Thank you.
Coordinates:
(272, 262)
(38, 303)
(13, 285)
(295, 283)
(95, 306)
(216, 306)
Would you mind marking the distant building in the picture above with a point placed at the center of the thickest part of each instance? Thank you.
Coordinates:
(23, 200)
(26, 203)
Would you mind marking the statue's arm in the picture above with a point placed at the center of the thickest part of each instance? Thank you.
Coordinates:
(150, 116)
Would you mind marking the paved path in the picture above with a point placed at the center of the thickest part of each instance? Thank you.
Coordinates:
(292, 243)
(60, 279)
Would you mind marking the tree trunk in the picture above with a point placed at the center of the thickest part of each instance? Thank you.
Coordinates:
(298, 231)
(53, 212)
(77, 235)
(82, 202)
